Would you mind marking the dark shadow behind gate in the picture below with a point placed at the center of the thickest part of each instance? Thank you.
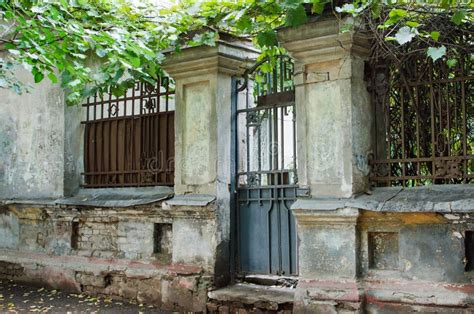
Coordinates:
(264, 169)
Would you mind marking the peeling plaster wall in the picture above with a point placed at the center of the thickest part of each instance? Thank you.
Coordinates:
(32, 141)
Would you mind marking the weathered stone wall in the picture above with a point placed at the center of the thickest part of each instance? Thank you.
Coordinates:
(113, 251)
(41, 142)
(32, 141)
(415, 246)
(358, 260)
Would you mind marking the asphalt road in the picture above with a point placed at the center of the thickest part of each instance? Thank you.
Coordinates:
(15, 298)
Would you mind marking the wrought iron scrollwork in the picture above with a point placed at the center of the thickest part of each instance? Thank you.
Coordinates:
(424, 121)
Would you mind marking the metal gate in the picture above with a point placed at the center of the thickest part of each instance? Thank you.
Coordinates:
(264, 173)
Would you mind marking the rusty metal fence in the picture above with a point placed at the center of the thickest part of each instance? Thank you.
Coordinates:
(424, 122)
(129, 140)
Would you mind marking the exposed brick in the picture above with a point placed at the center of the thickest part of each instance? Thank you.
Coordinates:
(8, 270)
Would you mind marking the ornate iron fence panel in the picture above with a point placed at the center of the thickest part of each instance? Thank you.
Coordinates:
(265, 178)
(129, 140)
(424, 122)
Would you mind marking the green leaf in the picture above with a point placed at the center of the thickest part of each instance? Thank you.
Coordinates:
(38, 77)
(259, 78)
(73, 98)
(404, 35)
(134, 61)
(434, 35)
(296, 17)
(458, 17)
(318, 6)
(14, 52)
(74, 83)
(100, 52)
(397, 13)
(118, 90)
(267, 39)
(436, 53)
(79, 55)
(8, 15)
(9, 46)
(376, 9)
(451, 63)
(52, 77)
(413, 24)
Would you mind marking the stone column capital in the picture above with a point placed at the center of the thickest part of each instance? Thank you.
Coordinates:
(321, 40)
(227, 57)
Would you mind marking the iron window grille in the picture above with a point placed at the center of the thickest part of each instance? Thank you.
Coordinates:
(129, 140)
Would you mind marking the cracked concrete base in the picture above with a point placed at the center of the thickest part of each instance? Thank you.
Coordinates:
(250, 298)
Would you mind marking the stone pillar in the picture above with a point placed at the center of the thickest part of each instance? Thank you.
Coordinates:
(333, 108)
(334, 127)
(202, 143)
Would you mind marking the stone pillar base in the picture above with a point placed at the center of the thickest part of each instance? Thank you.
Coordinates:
(326, 296)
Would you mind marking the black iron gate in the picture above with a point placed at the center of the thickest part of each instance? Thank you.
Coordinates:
(265, 181)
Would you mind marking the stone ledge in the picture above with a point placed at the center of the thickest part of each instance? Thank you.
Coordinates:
(435, 198)
(420, 293)
(108, 197)
(401, 292)
(97, 265)
(192, 206)
(251, 294)
(338, 217)
(33, 201)
(117, 197)
(191, 200)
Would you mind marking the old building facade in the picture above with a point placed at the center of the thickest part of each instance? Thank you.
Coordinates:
(315, 187)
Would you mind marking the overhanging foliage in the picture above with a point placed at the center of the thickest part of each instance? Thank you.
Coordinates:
(91, 46)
